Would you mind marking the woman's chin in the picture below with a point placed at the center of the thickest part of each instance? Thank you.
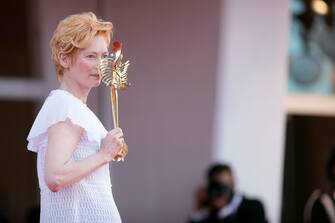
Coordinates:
(96, 83)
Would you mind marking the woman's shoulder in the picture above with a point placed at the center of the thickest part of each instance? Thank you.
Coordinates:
(60, 106)
(63, 99)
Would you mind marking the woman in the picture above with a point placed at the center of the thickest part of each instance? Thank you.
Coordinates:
(74, 149)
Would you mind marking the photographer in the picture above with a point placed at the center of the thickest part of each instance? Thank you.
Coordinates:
(219, 203)
(320, 206)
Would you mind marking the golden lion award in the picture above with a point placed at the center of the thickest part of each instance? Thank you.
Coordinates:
(113, 74)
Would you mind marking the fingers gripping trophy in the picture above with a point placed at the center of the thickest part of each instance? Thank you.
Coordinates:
(114, 75)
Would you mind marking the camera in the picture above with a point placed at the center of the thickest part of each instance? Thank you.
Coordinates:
(217, 190)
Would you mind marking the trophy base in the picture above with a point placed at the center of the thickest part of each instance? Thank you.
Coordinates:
(122, 154)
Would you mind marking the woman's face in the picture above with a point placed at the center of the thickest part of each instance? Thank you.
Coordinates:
(83, 69)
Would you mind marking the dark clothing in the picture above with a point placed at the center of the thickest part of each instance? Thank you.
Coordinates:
(249, 211)
(319, 213)
(320, 208)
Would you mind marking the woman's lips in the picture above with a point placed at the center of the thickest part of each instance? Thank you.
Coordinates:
(95, 75)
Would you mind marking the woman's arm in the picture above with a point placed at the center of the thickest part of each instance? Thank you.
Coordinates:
(63, 137)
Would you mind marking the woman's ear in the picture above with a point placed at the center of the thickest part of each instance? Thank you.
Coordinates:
(64, 60)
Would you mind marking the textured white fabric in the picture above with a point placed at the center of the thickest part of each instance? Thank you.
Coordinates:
(59, 106)
(90, 200)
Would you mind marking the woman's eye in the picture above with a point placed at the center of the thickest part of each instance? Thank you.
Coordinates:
(91, 56)
(105, 55)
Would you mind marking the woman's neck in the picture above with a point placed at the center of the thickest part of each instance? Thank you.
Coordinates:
(76, 90)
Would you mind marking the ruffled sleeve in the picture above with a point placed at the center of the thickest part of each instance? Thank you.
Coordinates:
(59, 106)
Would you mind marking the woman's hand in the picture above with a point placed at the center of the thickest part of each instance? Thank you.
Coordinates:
(112, 144)
(60, 169)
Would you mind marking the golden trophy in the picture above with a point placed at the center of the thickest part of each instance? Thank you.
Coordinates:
(113, 73)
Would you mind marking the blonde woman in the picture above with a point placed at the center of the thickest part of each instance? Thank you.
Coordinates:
(73, 148)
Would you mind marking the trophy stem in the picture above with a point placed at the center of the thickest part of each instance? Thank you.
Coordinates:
(115, 113)
(115, 106)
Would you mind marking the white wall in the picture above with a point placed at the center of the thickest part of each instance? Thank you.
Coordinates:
(250, 96)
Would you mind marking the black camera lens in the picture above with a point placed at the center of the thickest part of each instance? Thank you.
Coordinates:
(215, 190)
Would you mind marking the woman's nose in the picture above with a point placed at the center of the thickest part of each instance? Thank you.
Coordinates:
(97, 61)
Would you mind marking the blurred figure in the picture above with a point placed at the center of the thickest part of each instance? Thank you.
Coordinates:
(219, 203)
(320, 205)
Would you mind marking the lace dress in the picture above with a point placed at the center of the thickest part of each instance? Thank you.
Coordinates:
(89, 200)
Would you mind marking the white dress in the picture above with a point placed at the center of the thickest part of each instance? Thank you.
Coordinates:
(89, 200)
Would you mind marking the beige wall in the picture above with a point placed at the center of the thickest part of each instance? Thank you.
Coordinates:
(167, 114)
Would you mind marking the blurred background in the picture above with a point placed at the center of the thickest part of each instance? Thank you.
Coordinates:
(247, 83)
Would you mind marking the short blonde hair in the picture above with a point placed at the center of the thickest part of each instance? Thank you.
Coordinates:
(76, 32)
